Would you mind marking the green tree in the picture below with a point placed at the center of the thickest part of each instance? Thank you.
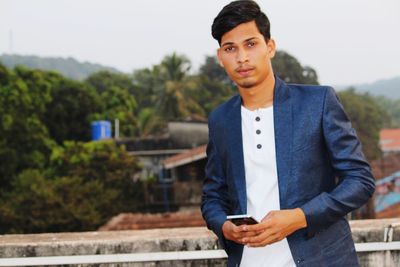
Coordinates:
(214, 85)
(85, 185)
(146, 82)
(104, 80)
(289, 69)
(170, 88)
(68, 115)
(149, 122)
(175, 100)
(102, 161)
(24, 139)
(367, 118)
(213, 71)
(118, 103)
(392, 106)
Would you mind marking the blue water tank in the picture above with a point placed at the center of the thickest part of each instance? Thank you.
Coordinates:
(101, 130)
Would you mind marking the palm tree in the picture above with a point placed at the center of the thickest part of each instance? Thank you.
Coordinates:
(174, 99)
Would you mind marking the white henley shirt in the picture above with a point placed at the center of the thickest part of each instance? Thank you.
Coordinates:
(262, 184)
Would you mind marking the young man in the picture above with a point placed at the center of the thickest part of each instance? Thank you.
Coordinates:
(274, 151)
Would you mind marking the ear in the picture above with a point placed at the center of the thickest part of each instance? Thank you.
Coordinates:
(271, 46)
(219, 57)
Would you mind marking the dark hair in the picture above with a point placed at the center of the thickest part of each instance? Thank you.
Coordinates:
(238, 12)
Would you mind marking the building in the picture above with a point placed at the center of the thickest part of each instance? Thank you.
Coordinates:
(174, 185)
(387, 196)
(390, 140)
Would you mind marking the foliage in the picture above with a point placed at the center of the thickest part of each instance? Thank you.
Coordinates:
(68, 115)
(392, 106)
(149, 122)
(146, 82)
(170, 87)
(101, 161)
(289, 69)
(214, 84)
(85, 185)
(367, 117)
(118, 103)
(104, 80)
(24, 139)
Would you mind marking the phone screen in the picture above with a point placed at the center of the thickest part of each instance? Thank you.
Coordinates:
(242, 219)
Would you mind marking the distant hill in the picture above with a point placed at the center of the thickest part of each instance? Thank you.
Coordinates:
(389, 88)
(68, 67)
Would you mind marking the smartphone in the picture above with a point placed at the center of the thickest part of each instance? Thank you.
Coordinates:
(241, 219)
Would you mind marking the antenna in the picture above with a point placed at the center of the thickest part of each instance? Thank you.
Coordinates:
(11, 42)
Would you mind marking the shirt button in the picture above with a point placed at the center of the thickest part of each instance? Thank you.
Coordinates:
(258, 119)
(259, 146)
(258, 132)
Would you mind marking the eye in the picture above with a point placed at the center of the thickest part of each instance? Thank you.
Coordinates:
(229, 49)
(251, 44)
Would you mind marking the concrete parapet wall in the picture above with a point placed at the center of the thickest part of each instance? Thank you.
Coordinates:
(375, 230)
(178, 239)
(113, 242)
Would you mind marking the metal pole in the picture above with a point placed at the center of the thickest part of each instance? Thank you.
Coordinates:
(116, 134)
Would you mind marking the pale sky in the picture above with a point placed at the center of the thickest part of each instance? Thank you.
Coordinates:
(346, 41)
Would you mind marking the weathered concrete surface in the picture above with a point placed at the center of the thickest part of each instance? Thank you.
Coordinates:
(366, 231)
(374, 230)
(113, 242)
(175, 239)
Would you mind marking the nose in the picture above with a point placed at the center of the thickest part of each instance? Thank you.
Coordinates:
(242, 56)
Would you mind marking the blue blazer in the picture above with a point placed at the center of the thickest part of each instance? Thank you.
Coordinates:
(321, 169)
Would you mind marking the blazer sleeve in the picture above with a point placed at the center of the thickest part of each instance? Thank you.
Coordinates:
(215, 201)
(356, 183)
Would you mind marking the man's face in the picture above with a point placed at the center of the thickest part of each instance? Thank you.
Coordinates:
(246, 56)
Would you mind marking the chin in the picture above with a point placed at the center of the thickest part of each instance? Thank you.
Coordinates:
(246, 84)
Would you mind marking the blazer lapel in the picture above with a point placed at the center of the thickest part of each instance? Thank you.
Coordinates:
(234, 120)
(283, 138)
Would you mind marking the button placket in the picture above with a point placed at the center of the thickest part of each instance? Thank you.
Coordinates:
(257, 124)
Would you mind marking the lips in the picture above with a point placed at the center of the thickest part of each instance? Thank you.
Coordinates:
(244, 71)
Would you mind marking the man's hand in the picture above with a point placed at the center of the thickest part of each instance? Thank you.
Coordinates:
(274, 227)
(236, 233)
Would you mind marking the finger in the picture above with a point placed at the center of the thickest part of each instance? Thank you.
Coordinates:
(242, 235)
(237, 229)
(262, 226)
(251, 233)
(268, 241)
(258, 238)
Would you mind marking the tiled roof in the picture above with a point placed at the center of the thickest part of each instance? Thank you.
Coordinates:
(390, 139)
(388, 179)
(134, 221)
(392, 211)
(185, 157)
(383, 202)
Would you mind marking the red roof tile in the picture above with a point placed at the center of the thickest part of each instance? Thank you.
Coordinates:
(186, 157)
(134, 221)
(390, 140)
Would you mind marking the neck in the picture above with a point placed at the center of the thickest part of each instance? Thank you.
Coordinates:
(259, 96)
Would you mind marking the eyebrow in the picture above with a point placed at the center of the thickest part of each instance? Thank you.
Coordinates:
(231, 43)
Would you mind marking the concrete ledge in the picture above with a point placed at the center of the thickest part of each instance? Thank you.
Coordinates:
(366, 233)
(114, 242)
(380, 230)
